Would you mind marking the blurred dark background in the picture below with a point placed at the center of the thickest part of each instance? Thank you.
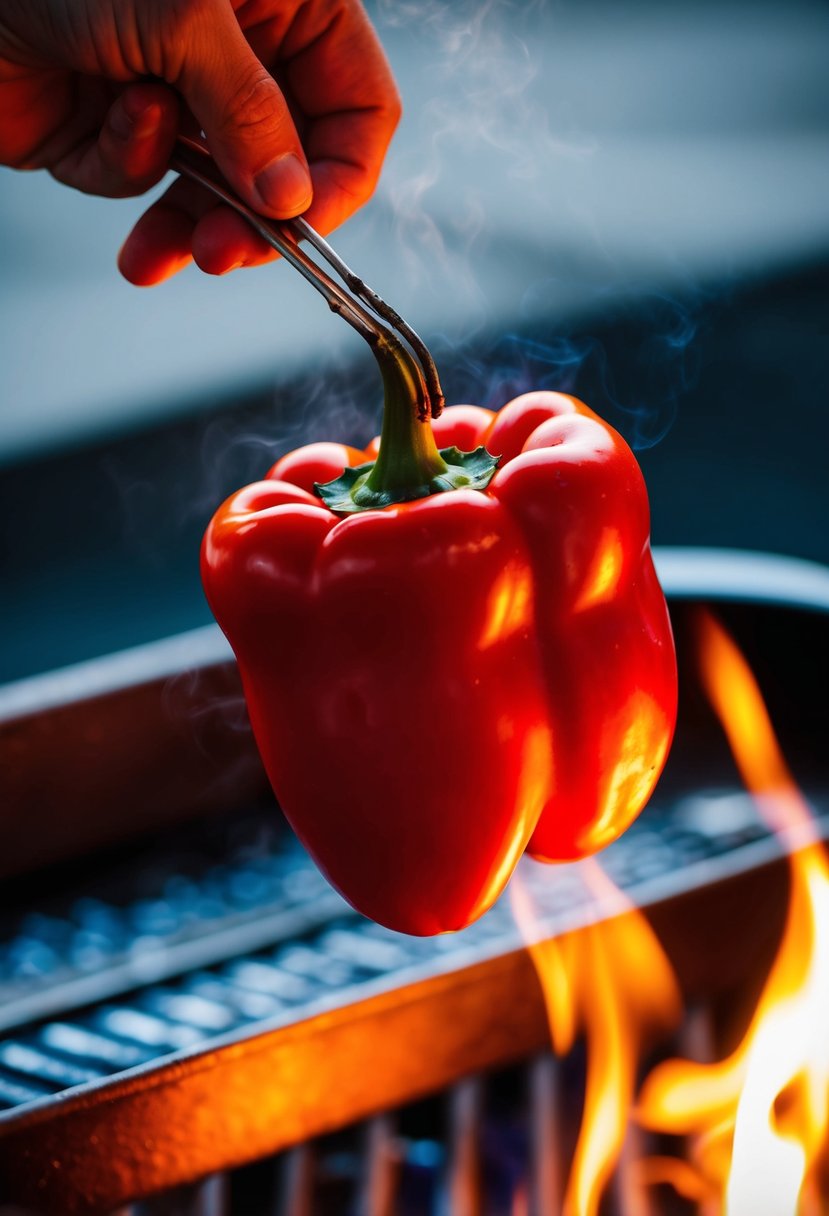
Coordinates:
(628, 202)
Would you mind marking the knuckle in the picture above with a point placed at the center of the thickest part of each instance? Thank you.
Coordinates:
(167, 29)
(183, 15)
(357, 190)
(327, 12)
(393, 108)
(251, 109)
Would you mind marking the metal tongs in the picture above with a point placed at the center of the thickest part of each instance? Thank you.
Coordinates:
(356, 303)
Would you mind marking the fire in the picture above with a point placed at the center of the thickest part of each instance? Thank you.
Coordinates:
(592, 983)
(768, 1103)
(757, 1122)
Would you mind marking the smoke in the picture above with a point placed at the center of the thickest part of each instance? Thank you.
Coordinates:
(481, 205)
(475, 94)
(484, 52)
(205, 701)
(165, 489)
(631, 359)
(339, 401)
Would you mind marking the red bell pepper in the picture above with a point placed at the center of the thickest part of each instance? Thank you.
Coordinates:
(446, 663)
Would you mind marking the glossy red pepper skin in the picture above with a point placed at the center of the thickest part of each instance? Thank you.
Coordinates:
(440, 684)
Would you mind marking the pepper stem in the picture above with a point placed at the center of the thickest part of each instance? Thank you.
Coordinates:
(408, 460)
(408, 465)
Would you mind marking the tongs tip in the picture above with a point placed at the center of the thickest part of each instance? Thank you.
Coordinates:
(364, 309)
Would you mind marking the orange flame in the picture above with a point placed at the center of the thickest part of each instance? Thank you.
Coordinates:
(760, 1117)
(592, 983)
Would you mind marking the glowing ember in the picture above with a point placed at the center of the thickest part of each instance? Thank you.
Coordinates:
(768, 1101)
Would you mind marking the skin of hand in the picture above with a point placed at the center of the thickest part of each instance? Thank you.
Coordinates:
(295, 97)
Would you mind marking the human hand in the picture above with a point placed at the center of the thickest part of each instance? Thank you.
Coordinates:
(295, 97)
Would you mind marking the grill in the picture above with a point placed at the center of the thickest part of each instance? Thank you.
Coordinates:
(193, 1022)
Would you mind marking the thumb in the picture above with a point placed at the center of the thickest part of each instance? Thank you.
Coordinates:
(244, 115)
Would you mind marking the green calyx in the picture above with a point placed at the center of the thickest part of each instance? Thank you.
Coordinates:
(352, 490)
(408, 465)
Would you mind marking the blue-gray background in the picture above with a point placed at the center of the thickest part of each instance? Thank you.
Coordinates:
(631, 201)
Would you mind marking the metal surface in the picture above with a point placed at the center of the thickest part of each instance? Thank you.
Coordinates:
(427, 1157)
(297, 1182)
(463, 1195)
(219, 924)
(381, 1163)
(741, 576)
(364, 309)
(546, 1174)
(67, 765)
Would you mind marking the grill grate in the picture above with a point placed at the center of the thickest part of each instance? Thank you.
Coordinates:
(173, 911)
(321, 956)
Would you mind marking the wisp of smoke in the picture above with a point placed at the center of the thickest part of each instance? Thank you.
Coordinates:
(478, 98)
(632, 367)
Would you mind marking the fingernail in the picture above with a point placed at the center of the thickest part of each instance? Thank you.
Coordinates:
(136, 125)
(147, 122)
(284, 186)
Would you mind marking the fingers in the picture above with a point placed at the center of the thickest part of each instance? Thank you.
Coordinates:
(131, 150)
(346, 153)
(222, 241)
(340, 83)
(243, 114)
(187, 224)
(337, 77)
(160, 243)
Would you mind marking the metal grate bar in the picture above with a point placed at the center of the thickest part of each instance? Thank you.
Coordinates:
(297, 1197)
(90, 949)
(463, 1196)
(546, 1180)
(382, 1166)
